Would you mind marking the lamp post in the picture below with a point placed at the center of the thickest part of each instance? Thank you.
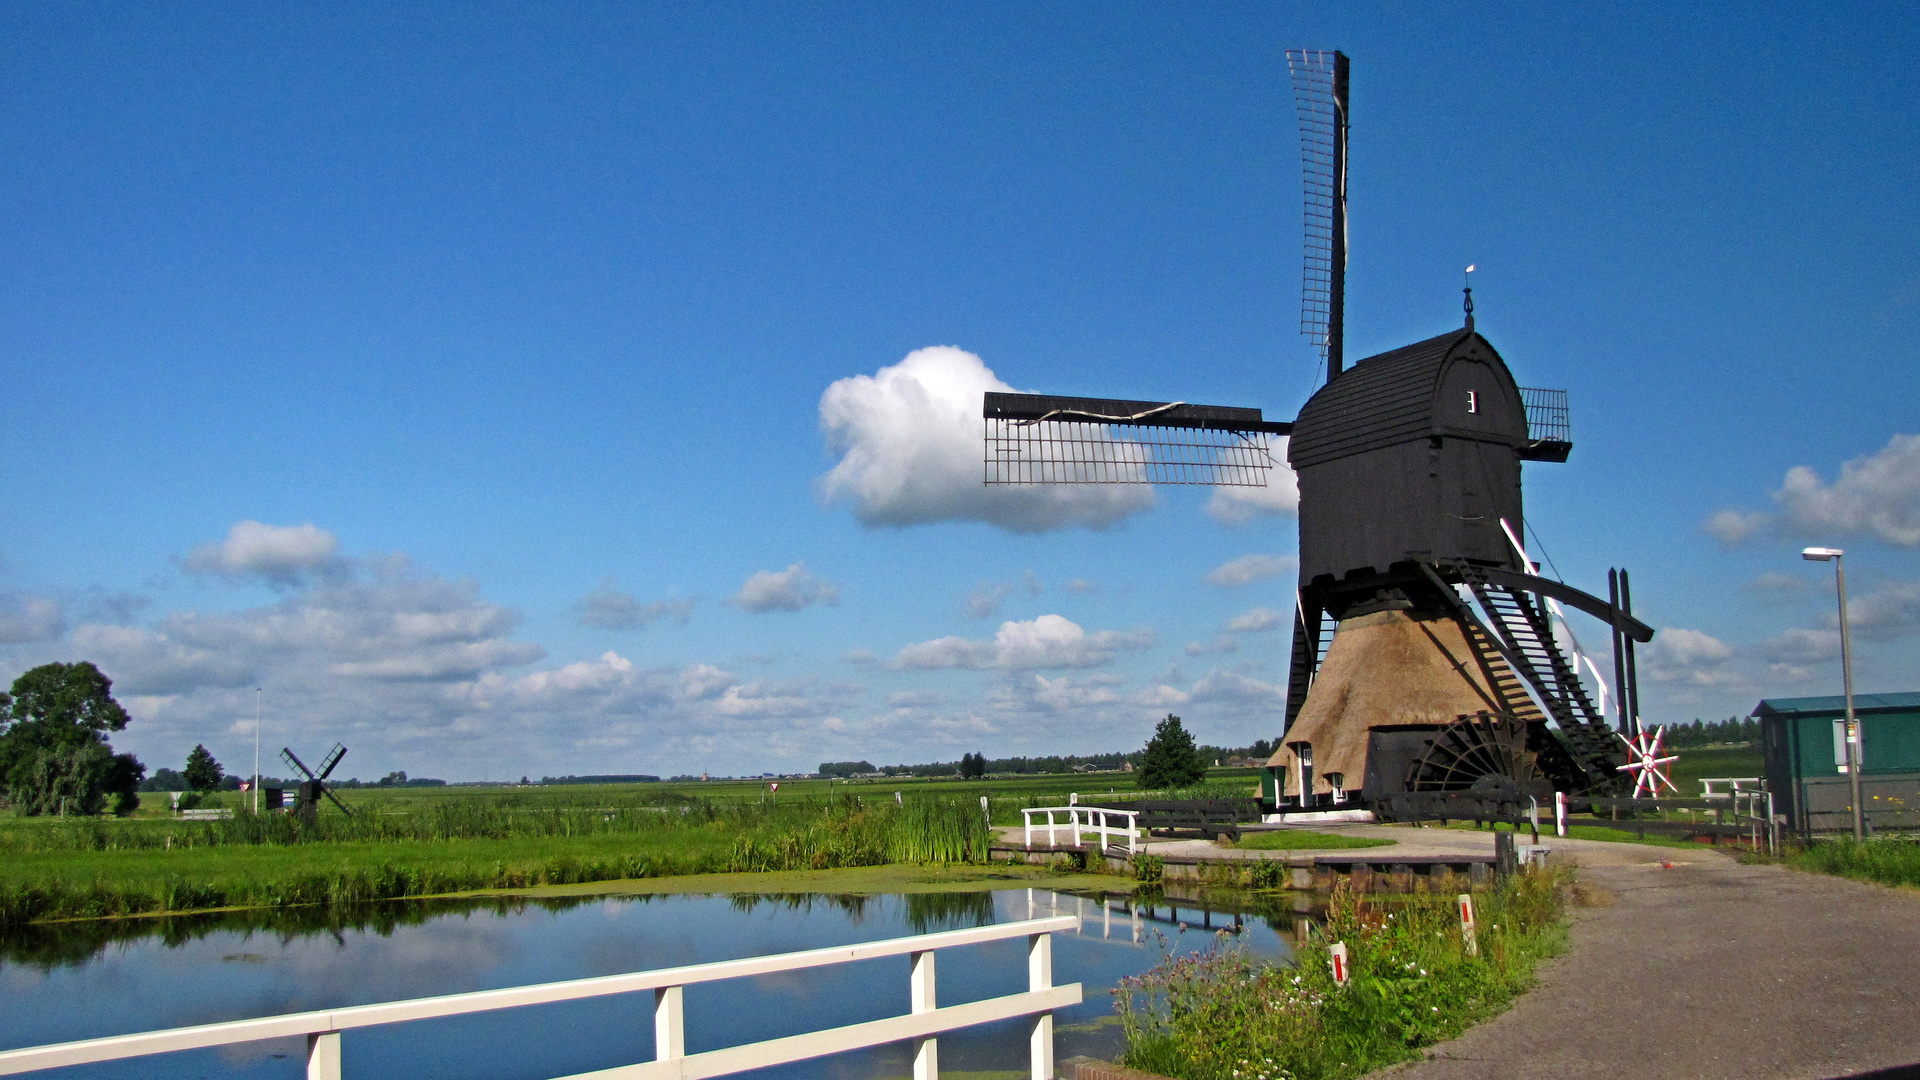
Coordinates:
(256, 750)
(1854, 757)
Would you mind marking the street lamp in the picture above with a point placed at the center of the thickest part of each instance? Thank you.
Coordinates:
(1824, 554)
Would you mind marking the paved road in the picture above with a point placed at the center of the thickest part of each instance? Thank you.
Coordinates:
(1709, 970)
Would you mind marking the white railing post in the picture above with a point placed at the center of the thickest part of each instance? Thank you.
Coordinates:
(926, 1051)
(669, 1023)
(323, 1055)
(1040, 977)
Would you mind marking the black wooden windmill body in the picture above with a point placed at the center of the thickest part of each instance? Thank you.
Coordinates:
(308, 794)
(1446, 668)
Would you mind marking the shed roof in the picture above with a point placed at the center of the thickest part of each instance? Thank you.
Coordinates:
(1836, 705)
(1380, 401)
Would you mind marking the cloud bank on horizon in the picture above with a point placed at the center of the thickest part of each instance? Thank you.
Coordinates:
(402, 663)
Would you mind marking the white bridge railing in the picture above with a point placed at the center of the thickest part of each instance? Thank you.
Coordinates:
(1108, 825)
(921, 1025)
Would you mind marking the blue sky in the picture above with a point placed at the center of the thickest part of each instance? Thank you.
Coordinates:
(474, 379)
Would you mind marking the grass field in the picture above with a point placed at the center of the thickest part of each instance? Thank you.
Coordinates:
(1007, 794)
(413, 842)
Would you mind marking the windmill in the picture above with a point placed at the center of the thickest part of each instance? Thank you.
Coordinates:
(307, 800)
(1425, 661)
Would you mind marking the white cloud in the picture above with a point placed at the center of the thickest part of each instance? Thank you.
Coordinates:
(1234, 689)
(1256, 620)
(281, 554)
(701, 681)
(984, 601)
(1802, 646)
(1234, 506)
(611, 609)
(910, 447)
(1889, 611)
(1225, 643)
(30, 618)
(1160, 696)
(1691, 657)
(1732, 527)
(1248, 569)
(152, 662)
(789, 590)
(1050, 641)
(1065, 694)
(1877, 494)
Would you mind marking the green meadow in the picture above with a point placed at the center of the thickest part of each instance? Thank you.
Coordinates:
(415, 842)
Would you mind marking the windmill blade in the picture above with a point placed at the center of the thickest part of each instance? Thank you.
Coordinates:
(1047, 439)
(287, 754)
(344, 808)
(333, 758)
(1320, 97)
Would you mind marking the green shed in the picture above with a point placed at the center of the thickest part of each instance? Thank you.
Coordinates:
(1804, 739)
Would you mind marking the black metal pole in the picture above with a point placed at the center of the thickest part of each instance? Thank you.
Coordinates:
(1619, 653)
(1337, 288)
(1633, 674)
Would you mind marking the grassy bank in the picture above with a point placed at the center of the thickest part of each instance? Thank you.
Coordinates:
(1223, 1015)
(1884, 860)
(101, 869)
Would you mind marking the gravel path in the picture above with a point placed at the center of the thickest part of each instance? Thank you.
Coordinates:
(1709, 969)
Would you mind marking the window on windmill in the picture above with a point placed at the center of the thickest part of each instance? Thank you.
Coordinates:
(1473, 401)
(1337, 781)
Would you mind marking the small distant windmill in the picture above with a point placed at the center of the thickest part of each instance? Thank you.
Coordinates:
(307, 800)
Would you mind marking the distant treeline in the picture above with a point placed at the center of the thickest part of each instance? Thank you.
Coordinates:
(170, 780)
(1734, 729)
(1016, 766)
(623, 778)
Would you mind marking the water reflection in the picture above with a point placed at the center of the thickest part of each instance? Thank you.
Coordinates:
(83, 980)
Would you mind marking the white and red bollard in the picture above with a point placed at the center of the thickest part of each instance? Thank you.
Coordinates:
(1337, 959)
(1559, 813)
(1468, 935)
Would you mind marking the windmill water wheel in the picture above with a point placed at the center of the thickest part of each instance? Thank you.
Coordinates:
(1483, 754)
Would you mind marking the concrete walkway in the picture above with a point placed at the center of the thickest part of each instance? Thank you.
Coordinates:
(1708, 969)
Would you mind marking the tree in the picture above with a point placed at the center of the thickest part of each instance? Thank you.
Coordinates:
(54, 753)
(973, 766)
(1171, 760)
(164, 779)
(202, 772)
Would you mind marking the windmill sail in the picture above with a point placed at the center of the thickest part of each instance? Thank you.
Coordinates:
(1320, 97)
(1044, 439)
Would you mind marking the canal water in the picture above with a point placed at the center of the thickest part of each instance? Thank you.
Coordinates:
(90, 980)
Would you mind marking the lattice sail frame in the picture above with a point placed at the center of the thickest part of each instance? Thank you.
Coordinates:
(1040, 439)
(1313, 98)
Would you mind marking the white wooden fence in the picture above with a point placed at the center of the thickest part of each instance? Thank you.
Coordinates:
(1108, 825)
(921, 1025)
